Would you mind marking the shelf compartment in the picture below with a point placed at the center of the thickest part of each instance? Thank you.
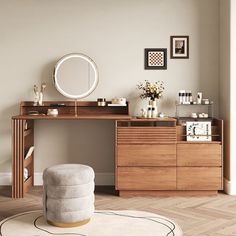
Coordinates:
(28, 161)
(216, 133)
(28, 183)
(84, 108)
(27, 132)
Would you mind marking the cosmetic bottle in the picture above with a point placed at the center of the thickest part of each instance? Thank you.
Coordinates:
(154, 112)
(149, 112)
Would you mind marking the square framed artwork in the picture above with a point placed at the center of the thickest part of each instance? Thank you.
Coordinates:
(155, 58)
(179, 47)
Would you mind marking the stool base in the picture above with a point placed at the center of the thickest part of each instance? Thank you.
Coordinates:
(68, 225)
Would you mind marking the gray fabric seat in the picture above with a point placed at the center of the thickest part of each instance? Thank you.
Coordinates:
(68, 194)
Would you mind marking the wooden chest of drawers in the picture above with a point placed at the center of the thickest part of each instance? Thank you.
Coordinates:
(153, 159)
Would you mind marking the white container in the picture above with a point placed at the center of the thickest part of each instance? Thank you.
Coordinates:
(149, 112)
(199, 98)
(52, 112)
(121, 101)
(194, 115)
(154, 112)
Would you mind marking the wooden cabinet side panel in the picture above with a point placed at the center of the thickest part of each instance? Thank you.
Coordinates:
(146, 178)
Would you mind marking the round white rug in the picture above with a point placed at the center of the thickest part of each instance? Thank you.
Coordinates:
(103, 223)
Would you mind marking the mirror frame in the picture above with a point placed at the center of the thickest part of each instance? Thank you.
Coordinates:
(67, 57)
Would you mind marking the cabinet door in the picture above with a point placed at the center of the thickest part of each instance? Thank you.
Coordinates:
(199, 178)
(146, 155)
(146, 178)
(199, 154)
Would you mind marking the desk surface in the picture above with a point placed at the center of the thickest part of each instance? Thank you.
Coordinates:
(73, 117)
(89, 117)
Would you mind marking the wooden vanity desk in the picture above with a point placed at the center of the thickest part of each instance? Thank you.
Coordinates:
(23, 132)
(152, 156)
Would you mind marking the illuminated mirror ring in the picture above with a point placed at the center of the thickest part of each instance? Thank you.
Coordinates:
(70, 56)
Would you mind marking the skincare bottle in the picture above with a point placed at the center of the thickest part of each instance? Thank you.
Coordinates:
(191, 98)
(199, 98)
(149, 112)
(181, 96)
(154, 112)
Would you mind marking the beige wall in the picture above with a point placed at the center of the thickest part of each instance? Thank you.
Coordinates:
(225, 79)
(35, 34)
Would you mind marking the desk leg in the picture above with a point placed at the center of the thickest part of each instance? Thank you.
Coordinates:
(22, 140)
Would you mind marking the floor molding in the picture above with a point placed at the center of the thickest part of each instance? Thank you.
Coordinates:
(100, 178)
(230, 187)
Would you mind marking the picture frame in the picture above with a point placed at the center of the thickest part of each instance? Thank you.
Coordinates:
(198, 131)
(155, 58)
(179, 47)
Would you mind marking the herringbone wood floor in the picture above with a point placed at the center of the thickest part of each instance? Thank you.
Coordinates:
(196, 215)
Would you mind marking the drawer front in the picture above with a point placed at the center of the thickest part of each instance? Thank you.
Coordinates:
(146, 178)
(199, 155)
(146, 135)
(199, 178)
(146, 155)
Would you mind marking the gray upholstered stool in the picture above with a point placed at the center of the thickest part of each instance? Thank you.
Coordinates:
(68, 194)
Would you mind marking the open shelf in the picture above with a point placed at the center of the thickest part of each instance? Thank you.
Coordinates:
(216, 132)
(27, 132)
(28, 184)
(28, 161)
(199, 142)
(84, 108)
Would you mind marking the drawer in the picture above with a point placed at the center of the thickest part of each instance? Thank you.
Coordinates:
(199, 178)
(146, 178)
(199, 155)
(146, 135)
(146, 155)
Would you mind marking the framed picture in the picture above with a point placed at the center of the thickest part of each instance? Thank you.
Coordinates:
(198, 130)
(155, 58)
(179, 47)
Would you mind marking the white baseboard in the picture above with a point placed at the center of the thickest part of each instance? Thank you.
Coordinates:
(5, 178)
(230, 187)
(100, 178)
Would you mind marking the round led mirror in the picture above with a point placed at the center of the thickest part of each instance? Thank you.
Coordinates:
(75, 76)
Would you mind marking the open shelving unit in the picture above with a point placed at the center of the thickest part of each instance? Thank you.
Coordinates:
(23, 139)
(196, 107)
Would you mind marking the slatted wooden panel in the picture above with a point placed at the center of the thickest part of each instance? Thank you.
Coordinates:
(17, 159)
(146, 135)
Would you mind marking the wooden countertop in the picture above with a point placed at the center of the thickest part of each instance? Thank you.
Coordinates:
(90, 117)
(73, 117)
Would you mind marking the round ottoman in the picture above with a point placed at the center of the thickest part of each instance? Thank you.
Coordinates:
(68, 198)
